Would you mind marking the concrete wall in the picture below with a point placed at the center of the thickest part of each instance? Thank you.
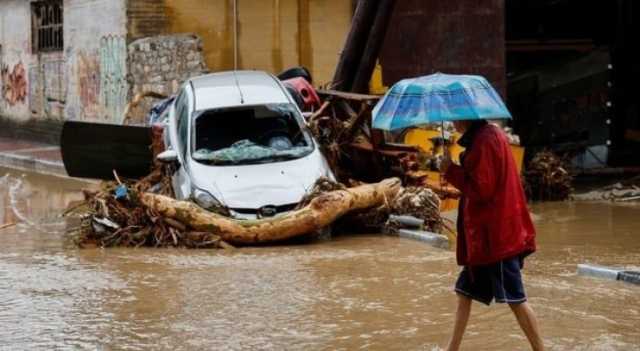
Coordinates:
(145, 18)
(272, 34)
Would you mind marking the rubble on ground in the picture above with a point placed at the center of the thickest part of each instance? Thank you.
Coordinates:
(418, 202)
(546, 178)
(144, 213)
(628, 190)
(114, 216)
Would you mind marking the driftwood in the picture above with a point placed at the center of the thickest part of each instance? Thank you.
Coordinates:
(355, 97)
(7, 225)
(137, 99)
(320, 212)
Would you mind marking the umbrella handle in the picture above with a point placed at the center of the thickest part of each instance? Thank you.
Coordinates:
(445, 151)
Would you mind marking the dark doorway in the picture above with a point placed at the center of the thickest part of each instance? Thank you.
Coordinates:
(570, 66)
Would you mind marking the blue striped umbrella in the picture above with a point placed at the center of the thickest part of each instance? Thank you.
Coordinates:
(438, 98)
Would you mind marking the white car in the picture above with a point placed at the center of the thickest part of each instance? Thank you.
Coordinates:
(240, 142)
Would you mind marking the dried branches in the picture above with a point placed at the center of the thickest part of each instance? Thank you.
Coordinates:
(116, 217)
(546, 178)
(420, 203)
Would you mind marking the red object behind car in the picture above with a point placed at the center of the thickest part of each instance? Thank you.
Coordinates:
(306, 91)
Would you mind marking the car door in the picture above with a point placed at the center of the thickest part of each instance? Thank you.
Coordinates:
(179, 126)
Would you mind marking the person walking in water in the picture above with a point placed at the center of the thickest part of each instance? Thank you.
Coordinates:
(495, 231)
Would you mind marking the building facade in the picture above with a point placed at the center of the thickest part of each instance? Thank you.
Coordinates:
(61, 60)
(85, 59)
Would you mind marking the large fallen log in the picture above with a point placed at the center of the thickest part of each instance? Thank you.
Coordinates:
(319, 213)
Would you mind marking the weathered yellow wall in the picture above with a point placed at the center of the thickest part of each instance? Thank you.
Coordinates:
(330, 21)
(212, 20)
(272, 34)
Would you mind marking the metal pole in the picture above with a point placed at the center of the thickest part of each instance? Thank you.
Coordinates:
(235, 35)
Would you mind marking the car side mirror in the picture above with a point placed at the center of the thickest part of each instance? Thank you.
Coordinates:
(168, 156)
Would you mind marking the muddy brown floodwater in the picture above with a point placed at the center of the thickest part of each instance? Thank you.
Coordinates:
(354, 292)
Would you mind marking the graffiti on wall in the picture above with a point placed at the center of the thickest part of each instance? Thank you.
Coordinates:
(113, 83)
(36, 101)
(88, 71)
(55, 87)
(47, 87)
(14, 84)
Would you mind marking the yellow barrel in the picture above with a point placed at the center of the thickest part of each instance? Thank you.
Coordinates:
(518, 155)
(422, 139)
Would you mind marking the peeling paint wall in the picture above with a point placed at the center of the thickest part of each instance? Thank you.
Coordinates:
(113, 76)
(145, 18)
(86, 80)
(96, 56)
(47, 86)
(15, 59)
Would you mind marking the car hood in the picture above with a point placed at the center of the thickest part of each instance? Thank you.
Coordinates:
(255, 186)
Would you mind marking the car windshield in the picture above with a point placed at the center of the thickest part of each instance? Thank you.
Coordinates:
(250, 135)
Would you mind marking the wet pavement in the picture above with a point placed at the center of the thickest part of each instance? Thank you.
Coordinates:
(354, 292)
(31, 156)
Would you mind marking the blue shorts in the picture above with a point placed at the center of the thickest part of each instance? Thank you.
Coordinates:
(501, 281)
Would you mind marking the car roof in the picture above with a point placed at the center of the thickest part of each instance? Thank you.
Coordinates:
(235, 88)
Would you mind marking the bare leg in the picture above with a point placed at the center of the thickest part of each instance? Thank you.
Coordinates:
(529, 324)
(462, 317)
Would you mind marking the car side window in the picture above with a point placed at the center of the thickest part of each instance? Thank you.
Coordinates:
(182, 115)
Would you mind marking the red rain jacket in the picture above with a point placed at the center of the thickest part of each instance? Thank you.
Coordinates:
(495, 220)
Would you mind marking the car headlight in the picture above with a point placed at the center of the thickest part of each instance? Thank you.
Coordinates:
(205, 200)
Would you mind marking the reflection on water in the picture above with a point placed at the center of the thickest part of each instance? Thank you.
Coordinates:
(361, 292)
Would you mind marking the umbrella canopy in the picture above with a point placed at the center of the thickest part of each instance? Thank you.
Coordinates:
(438, 98)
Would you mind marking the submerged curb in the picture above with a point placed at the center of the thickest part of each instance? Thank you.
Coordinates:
(609, 273)
(32, 164)
(433, 239)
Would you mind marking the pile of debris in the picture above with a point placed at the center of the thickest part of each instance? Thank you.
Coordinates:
(144, 213)
(628, 190)
(343, 121)
(546, 178)
(354, 150)
(420, 203)
(115, 216)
